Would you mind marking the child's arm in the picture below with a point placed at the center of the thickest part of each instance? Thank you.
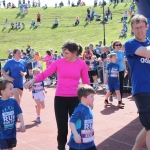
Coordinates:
(106, 77)
(22, 126)
(77, 137)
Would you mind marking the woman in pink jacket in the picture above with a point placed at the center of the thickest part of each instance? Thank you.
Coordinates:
(69, 71)
(48, 58)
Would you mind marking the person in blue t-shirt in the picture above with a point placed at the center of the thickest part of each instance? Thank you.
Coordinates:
(121, 62)
(17, 69)
(112, 79)
(81, 121)
(9, 112)
(138, 56)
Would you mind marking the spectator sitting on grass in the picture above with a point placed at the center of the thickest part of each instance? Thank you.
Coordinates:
(32, 23)
(13, 5)
(18, 25)
(125, 16)
(56, 21)
(55, 5)
(133, 14)
(26, 8)
(45, 7)
(92, 14)
(77, 21)
(23, 25)
(61, 4)
(12, 25)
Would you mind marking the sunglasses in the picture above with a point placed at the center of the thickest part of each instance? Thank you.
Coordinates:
(118, 45)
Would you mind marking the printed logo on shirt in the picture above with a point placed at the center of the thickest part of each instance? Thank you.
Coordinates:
(87, 134)
(145, 60)
(8, 117)
(114, 72)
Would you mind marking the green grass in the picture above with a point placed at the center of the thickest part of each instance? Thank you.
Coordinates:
(43, 37)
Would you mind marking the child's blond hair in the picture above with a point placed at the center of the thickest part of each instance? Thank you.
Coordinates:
(36, 69)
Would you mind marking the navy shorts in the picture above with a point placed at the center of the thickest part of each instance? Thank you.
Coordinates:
(113, 87)
(142, 101)
(8, 143)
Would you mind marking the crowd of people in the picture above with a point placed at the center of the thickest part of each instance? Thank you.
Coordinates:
(70, 68)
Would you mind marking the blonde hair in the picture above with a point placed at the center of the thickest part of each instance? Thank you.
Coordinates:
(111, 55)
(36, 69)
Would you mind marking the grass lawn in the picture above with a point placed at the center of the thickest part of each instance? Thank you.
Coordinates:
(43, 37)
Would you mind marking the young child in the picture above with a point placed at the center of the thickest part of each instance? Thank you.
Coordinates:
(81, 121)
(112, 79)
(38, 94)
(93, 67)
(10, 111)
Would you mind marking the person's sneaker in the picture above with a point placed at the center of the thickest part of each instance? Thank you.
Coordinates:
(110, 98)
(38, 120)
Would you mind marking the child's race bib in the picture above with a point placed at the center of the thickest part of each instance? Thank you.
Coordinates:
(87, 136)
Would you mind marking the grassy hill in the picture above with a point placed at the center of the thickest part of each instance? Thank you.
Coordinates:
(43, 37)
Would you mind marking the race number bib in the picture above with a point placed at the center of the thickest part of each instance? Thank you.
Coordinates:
(87, 136)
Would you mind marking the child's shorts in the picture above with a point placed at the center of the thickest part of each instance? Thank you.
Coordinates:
(39, 96)
(8, 143)
(113, 87)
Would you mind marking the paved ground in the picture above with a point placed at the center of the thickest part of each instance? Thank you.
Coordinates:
(115, 129)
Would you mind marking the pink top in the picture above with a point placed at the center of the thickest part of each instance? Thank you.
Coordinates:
(48, 59)
(69, 74)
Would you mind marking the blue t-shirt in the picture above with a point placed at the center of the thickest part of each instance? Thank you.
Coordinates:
(9, 110)
(113, 70)
(14, 67)
(120, 56)
(140, 66)
(82, 117)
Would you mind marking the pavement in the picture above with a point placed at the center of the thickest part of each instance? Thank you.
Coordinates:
(115, 129)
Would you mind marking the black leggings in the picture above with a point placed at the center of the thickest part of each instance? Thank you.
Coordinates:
(91, 148)
(63, 106)
(121, 78)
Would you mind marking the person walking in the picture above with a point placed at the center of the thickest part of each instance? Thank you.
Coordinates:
(138, 56)
(17, 69)
(69, 71)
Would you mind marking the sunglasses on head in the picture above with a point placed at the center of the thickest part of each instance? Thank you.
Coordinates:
(118, 45)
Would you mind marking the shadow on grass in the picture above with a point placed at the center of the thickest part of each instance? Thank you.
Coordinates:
(86, 24)
(115, 5)
(125, 5)
(10, 29)
(22, 16)
(22, 29)
(54, 27)
(3, 29)
(123, 139)
(18, 15)
(35, 27)
(123, 37)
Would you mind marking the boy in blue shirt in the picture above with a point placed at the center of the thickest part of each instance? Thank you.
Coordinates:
(9, 112)
(81, 121)
(112, 79)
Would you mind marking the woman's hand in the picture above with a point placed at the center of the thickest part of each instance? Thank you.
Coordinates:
(29, 84)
